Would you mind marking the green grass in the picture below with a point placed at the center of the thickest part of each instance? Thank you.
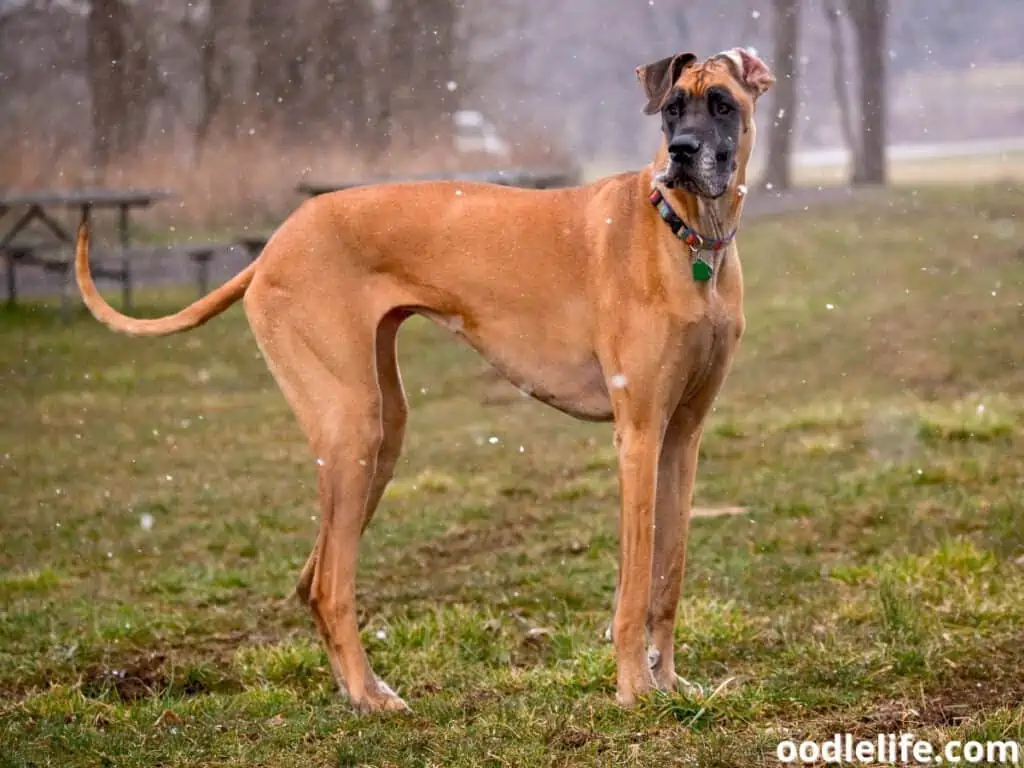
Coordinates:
(158, 501)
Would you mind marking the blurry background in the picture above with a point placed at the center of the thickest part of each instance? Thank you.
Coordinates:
(859, 566)
(236, 100)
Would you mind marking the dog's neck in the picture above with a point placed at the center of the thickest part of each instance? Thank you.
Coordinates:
(712, 218)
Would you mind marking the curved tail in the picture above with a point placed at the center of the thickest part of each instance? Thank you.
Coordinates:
(192, 316)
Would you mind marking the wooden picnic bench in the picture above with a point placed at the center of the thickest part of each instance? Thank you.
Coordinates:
(39, 206)
(524, 177)
(254, 242)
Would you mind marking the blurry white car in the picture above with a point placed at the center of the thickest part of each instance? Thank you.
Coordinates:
(474, 133)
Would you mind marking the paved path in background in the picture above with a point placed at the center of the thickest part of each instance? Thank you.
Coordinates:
(155, 267)
(835, 156)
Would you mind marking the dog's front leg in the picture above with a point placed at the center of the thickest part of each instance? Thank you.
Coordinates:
(672, 521)
(639, 448)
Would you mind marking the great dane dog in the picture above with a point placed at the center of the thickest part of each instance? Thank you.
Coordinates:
(617, 300)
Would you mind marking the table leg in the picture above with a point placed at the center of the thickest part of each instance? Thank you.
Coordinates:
(58, 231)
(126, 264)
(20, 224)
(12, 283)
(65, 292)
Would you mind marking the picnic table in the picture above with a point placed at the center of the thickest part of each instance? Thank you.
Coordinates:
(41, 206)
(528, 178)
(524, 177)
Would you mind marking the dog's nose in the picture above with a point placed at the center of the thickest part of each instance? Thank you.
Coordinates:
(685, 146)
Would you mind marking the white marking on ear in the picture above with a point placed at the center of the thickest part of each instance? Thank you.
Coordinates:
(752, 72)
(733, 55)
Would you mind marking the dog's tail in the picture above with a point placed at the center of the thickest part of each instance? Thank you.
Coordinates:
(192, 316)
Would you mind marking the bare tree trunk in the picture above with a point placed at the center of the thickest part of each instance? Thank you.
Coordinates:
(221, 40)
(440, 60)
(780, 139)
(280, 51)
(122, 81)
(106, 57)
(342, 62)
(423, 58)
(839, 84)
(869, 19)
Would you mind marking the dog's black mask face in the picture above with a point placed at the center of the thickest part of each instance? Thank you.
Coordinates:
(702, 133)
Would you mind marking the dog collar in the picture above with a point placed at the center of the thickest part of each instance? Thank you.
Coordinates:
(697, 243)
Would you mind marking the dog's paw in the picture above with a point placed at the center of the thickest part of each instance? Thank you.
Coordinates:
(379, 698)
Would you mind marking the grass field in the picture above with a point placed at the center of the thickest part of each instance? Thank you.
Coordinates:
(158, 502)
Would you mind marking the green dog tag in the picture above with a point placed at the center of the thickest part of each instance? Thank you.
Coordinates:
(702, 271)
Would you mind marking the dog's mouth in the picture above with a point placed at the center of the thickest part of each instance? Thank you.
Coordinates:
(710, 186)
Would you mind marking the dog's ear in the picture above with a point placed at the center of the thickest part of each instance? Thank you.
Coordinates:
(658, 78)
(749, 70)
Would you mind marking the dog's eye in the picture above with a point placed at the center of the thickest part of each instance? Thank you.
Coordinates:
(721, 108)
(672, 110)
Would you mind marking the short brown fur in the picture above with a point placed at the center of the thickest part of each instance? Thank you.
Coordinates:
(581, 296)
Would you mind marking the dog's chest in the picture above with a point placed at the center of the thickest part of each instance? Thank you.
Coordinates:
(706, 345)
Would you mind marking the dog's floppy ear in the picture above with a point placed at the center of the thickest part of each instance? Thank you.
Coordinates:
(749, 70)
(659, 76)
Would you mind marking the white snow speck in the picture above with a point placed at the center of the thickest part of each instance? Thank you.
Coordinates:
(146, 522)
(618, 381)
(382, 634)
(981, 408)
(755, 14)
(493, 440)
(458, 193)
(830, 306)
(769, 186)
(320, 462)
(741, 190)
(608, 220)
(452, 86)
(522, 449)
(168, 478)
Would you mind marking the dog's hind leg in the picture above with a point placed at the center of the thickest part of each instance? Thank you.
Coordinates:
(394, 413)
(326, 368)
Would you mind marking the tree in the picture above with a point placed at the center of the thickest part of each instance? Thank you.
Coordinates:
(869, 19)
(780, 138)
(833, 16)
(220, 31)
(425, 49)
(122, 80)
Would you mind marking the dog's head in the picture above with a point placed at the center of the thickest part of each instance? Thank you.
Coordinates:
(707, 115)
